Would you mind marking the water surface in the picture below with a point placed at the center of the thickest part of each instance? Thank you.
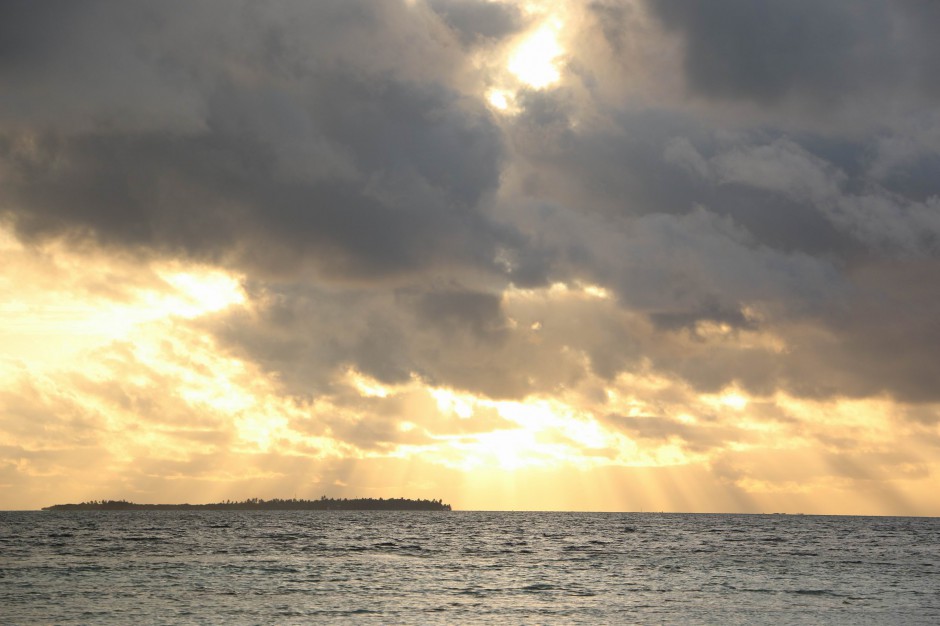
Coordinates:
(461, 567)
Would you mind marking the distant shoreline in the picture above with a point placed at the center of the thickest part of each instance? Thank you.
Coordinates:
(256, 504)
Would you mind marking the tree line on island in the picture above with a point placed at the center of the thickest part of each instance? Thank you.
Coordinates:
(257, 504)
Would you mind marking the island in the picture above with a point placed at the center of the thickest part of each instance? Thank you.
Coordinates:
(257, 504)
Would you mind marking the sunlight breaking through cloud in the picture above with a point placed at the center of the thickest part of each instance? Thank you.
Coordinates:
(535, 60)
(574, 253)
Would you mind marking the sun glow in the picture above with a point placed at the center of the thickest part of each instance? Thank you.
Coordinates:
(535, 61)
(541, 432)
(730, 399)
(55, 301)
(448, 401)
(366, 386)
(200, 291)
(501, 99)
(532, 61)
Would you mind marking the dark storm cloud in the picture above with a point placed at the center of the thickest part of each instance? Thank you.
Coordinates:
(452, 337)
(72, 64)
(225, 195)
(456, 310)
(709, 312)
(337, 136)
(657, 162)
(27, 31)
(883, 340)
(476, 22)
(855, 214)
(802, 191)
(611, 18)
(770, 51)
(759, 232)
(351, 172)
(923, 19)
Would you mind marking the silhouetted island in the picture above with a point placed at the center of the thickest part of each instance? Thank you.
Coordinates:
(257, 504)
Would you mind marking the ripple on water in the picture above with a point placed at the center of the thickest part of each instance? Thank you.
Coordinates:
(298, 567)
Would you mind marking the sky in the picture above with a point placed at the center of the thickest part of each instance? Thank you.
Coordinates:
(619, 255)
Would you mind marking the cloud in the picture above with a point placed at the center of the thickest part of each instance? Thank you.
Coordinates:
(289, 162)
(479, 22)
(875, 217)
(222, 195)
(301, 239)
(696, 438)
(822, 53)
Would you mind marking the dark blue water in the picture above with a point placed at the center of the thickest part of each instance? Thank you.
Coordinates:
(462, 567)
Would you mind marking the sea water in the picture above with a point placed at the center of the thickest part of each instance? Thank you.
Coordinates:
(273, 567)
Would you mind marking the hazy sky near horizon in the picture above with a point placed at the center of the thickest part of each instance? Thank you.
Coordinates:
(608, 255)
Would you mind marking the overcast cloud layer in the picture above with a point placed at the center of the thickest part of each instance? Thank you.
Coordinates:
(733, 195)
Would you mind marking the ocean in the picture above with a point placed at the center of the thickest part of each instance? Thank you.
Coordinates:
(278, 567)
